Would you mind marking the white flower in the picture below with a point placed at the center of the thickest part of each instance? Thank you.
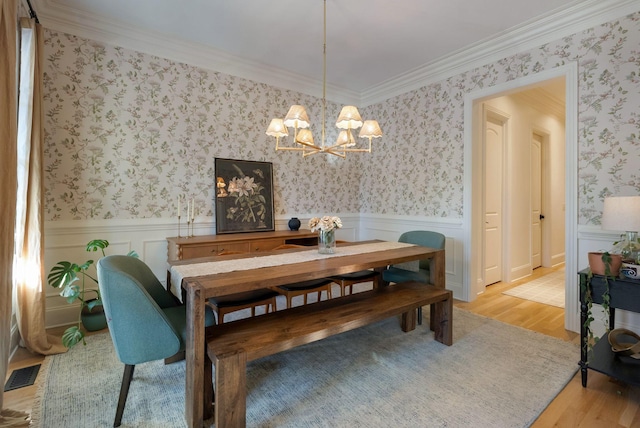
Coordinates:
(326, 223)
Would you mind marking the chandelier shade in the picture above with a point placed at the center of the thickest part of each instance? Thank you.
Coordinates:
(277, 129)
(370, 129)
(297, 117)
(348, 119)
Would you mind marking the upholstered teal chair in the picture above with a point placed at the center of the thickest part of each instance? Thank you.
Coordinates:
(145, 322)
(424, 238)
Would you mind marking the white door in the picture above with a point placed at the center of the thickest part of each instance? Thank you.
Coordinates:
(493, 154)
(536, 201)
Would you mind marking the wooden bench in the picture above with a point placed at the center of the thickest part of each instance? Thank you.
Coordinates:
(230, 346)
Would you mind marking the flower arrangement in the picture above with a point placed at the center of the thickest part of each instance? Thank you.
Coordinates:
(325, 223)
(326, 227)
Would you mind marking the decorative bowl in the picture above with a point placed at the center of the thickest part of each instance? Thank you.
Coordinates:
(630, 271)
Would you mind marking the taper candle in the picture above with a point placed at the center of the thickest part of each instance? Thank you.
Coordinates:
(178, 206)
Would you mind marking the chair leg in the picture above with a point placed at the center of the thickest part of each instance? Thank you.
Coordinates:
(124, 392)
(420, 315)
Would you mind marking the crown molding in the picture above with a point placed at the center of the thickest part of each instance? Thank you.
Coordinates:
(534, 33)
(529, 35)
(91, 26)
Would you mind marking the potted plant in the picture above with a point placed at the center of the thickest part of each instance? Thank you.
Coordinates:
(608, 265)
(64, 275)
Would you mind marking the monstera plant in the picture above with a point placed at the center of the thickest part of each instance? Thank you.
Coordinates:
(71, 279)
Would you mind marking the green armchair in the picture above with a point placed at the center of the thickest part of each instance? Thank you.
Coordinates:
(145, 322)
(424, 238)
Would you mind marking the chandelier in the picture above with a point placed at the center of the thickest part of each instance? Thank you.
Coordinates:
(349, 120)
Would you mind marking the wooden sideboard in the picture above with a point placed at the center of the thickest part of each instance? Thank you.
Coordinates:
(209, 245)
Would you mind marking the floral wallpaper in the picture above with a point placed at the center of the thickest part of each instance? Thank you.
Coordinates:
(424, 128)
(127, 133)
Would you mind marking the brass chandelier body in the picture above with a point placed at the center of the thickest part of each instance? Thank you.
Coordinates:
(348, 120)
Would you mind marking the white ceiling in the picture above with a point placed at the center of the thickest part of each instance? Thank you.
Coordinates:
(369, 42)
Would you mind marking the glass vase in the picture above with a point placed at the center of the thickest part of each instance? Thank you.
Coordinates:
(326, 241)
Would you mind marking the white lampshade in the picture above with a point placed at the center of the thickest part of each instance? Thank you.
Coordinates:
(277, 129)
(297, 117)
(305, 137)
(370, 129)
(621, 213)
(345, 138)
(349, 118)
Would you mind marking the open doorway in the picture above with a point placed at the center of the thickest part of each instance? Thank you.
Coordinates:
(523, 139)
(474, 214)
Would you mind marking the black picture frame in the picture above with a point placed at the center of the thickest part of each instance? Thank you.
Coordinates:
(243, 196)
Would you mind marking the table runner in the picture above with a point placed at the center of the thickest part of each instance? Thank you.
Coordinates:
(178, 273)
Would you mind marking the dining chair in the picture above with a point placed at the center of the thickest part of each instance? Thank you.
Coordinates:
(420, 273)
(348, 280)
(303, 288)
(145, 322)
(227, 304)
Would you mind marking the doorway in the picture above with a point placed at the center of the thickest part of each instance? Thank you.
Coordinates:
(523, 132)
(474, 213)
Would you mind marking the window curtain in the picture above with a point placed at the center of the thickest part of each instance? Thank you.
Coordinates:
(29, 273)
(8, 131)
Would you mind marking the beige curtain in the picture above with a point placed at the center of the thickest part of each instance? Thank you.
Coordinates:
(8, 131)
(29, 276)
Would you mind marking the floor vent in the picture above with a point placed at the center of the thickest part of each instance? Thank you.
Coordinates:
(22, 377)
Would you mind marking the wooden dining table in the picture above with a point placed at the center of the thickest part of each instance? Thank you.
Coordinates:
(197, 289)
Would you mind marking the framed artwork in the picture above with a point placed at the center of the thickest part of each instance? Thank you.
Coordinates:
(244, 196)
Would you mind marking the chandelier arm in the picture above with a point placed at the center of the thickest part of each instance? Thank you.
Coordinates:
(293, 148)
(331, 152)
(309, 145)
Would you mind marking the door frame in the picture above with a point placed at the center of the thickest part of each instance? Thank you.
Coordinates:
(472, 189)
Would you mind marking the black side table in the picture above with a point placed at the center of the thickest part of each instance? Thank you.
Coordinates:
(625, 295)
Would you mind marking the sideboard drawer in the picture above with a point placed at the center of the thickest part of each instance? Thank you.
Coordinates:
(265, 244)
(234, 246)
(195, 251)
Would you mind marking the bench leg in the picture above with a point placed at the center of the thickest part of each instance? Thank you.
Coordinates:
(231, 390)
(409, 320)
(442, 322)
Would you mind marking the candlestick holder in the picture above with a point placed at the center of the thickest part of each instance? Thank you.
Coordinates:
(179, 227)
(188, 225)
(193, 221)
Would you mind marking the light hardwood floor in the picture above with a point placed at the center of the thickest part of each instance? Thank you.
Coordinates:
(604, 403)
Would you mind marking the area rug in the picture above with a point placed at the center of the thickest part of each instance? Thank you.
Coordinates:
(494, 375)
(548, 289)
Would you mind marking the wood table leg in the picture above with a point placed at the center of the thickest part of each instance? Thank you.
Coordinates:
(438, 279)
(231, 390)
(195, 356)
